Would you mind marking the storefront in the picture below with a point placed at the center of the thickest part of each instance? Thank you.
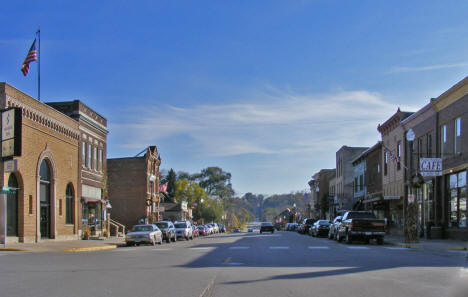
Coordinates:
(425, 198)
(455, 193)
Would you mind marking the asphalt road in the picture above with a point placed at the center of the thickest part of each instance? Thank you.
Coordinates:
(242, 264)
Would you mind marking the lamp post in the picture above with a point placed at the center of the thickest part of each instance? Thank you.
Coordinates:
(411, 226)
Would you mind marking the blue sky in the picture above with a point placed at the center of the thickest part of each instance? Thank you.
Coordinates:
(267, 90)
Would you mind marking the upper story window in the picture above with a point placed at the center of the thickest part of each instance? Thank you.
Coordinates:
(443, 139)
(429, 145)
(100, 160)
(94, 157)
(420, 147)
(83, 154)
(399, 156)
(385, 163)
(89, 155)
(457, 138)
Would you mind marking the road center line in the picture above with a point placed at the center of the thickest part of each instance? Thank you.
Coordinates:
(239, 247)
(318, 247)
(202, 248)
(396, 248)
(279, 247)
(162, 249)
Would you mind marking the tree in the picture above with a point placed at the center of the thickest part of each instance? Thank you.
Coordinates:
(216, 182)
(170, 180)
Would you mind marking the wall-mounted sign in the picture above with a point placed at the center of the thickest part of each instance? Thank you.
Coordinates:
(11, 132)
(183, 205)
(410, 198)
(11, 166)
(430, 166)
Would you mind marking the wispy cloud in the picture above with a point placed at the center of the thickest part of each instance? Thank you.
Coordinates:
(279, 122)
(401, 69)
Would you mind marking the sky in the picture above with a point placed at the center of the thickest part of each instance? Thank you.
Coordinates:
(266, 90)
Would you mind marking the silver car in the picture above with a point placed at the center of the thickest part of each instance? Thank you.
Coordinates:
(144, 234)
(184, 229)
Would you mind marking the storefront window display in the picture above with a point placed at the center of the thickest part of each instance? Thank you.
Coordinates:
(457, 199)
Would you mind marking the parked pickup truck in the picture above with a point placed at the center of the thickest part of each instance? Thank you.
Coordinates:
(362, 225)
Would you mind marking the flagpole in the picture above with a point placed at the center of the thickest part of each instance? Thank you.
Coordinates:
(39, 66)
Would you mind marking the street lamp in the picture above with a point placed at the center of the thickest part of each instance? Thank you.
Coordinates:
(411, 232)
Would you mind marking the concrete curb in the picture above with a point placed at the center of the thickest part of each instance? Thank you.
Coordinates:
(413, 246)
(15, 250)
(90, 249)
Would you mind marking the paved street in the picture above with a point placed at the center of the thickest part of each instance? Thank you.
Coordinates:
(242, 264)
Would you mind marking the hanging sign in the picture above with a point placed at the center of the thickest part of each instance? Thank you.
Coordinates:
(11, 133)
(430, 166)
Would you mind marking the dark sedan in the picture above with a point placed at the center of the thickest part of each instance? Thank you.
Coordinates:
(267, 227)
(320, 228)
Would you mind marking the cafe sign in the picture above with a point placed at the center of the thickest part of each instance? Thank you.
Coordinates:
(430, 166)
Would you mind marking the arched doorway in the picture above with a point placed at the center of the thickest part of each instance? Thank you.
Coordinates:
(12, 207)
(45, 205)
(69, 203)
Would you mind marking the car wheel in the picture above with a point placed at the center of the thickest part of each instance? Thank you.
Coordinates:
(186, 238)
(130, 243)
(168, 239)
(153, 242)
(160, 241)
(348, 239)
(260, 232)
(330, 235)
(335, 235)
(338, 237)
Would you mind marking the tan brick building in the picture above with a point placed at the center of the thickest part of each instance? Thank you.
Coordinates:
(45, 206)
(393, 172)
(134, 187)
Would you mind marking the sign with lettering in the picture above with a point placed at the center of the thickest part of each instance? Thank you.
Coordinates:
(430, 166)
(11, 166)
(11, 133)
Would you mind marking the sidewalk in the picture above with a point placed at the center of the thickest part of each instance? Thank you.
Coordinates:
(64, 246)
(430, 244)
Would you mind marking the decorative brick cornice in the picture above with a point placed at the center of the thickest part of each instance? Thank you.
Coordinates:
(43, 119)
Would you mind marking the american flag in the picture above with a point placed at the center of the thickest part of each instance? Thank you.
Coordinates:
(32, 56)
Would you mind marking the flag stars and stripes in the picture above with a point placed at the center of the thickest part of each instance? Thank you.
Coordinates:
(30, 57)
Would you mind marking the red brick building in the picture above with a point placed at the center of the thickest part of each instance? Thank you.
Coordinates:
(133, 185)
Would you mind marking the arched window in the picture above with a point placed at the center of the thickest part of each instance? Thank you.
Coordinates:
(12, 207)
(69, 205)
(45, 210)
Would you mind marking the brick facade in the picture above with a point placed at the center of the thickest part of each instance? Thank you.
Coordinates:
(134, 187)
(50, 136)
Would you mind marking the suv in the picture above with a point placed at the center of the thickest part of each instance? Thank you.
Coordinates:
(184, 229)
(168, 230)
(267, 227)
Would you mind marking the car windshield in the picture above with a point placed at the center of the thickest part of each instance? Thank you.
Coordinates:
(162, 225)
(267, 224)
(180, 225)
(142, 228)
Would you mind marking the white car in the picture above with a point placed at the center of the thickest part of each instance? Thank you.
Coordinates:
(184, 229)
(144, 234)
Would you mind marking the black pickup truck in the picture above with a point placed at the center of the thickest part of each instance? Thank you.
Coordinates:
(361, 225)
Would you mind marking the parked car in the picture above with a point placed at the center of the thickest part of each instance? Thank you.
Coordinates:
(291, 226)
(215, 227)
(237, 230)
(361, 225)
(334, 227)
(222, 228)
(266, 227)
(184, 229)
(209, 228)
(250, 230)
(149, 233)
(195, 231)
(320, 228)
(305, 226)
(168, 231)
(202, 230)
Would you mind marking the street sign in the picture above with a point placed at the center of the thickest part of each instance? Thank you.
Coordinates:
(11, 166)
(159, 209)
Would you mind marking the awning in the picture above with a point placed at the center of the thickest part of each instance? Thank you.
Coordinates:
(91, 200)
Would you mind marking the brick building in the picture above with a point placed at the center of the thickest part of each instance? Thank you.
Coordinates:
(393, 173)
(452, 147)
(133, 185)
(45, 205)
(319, 186)
(344, 176)
(92, 163)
